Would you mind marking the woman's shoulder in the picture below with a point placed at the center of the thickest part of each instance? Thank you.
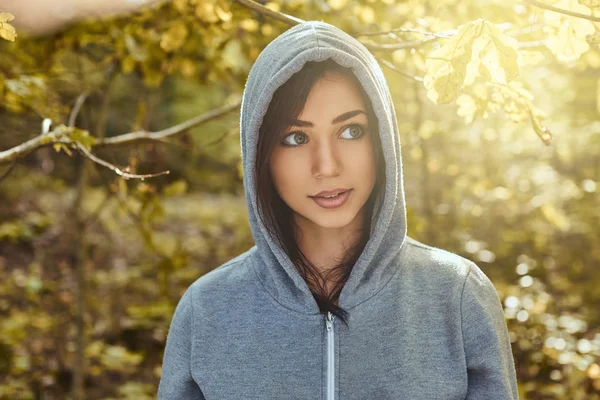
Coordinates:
(436, 262)
(235, 274)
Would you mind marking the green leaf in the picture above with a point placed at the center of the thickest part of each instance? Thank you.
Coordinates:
(82, 136)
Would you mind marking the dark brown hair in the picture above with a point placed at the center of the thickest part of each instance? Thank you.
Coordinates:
(287, 103)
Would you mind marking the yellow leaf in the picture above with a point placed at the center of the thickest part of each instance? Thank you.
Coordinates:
(474, 66)
(566, 34)
(479, 48)
(555, 216)
(590, 3)
(466, 107)
(6, 30)
(223, 13)
(494, 57)
(180, 5)
(541, 130)
(6, 17)
(61, 146)
(234, 57)
(127, 64)
(501, 59)
(446, 66)
(206, 12)
(82, 136)
(249, 24)
(174, 37)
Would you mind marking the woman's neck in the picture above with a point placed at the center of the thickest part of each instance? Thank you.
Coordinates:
(327, 247)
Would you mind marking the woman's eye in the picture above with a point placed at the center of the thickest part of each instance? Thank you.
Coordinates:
(297, 139)
(356, 131)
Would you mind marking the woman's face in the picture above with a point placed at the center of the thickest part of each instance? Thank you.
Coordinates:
(328, 147)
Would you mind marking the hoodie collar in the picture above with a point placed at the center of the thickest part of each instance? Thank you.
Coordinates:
(283, 57)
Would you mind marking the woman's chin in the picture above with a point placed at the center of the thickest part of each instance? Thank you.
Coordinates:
(329, 220)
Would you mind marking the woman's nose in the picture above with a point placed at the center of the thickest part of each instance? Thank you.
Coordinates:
(325, 161)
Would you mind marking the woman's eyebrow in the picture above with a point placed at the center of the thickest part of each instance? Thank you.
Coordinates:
(336, 120)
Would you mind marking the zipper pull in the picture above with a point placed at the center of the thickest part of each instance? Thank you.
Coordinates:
(329, 321)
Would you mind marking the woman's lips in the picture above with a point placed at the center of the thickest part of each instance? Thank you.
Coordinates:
(333, 202)
(332, 192)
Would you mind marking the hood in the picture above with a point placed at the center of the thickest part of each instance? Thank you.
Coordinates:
(284, 56)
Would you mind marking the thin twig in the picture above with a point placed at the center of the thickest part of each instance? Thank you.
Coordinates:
(396, 46)
(561, 10)
(117, 170)
(444, 35)
(134, 137)
(76, 108)
(393, 67)
(288, 19)
(127, 138)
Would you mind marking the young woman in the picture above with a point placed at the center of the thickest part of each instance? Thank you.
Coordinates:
(334, 301)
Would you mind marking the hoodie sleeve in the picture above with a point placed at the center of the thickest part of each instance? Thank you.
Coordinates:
(490, 364)
(176, 382)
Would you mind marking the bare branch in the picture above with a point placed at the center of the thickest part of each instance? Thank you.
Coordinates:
(77, 108)
(22, 149)
(288, 19)
(561, 10)
(117, 170)
(443, 35)
(138, 136)
(47, 138)
(394, 68)
(396, 46)
(293, 21)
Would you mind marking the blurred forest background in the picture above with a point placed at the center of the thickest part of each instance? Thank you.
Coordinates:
(498, 104)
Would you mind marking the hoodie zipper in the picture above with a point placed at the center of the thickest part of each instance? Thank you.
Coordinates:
(330, 356)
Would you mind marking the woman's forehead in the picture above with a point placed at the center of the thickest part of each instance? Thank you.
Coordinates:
(329, 99)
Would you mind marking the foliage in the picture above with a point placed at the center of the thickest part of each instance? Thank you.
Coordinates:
(481, 87)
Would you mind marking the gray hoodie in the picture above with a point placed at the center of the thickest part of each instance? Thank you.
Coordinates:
(423, 323)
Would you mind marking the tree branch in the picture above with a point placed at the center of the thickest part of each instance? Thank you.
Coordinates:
(562, 11)
(76, 108)
(444, 35)
(394, 68)
(368, 44)
(143, 135)
(47, 138)
(395, 46)
(118, 171)
(288, 19)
